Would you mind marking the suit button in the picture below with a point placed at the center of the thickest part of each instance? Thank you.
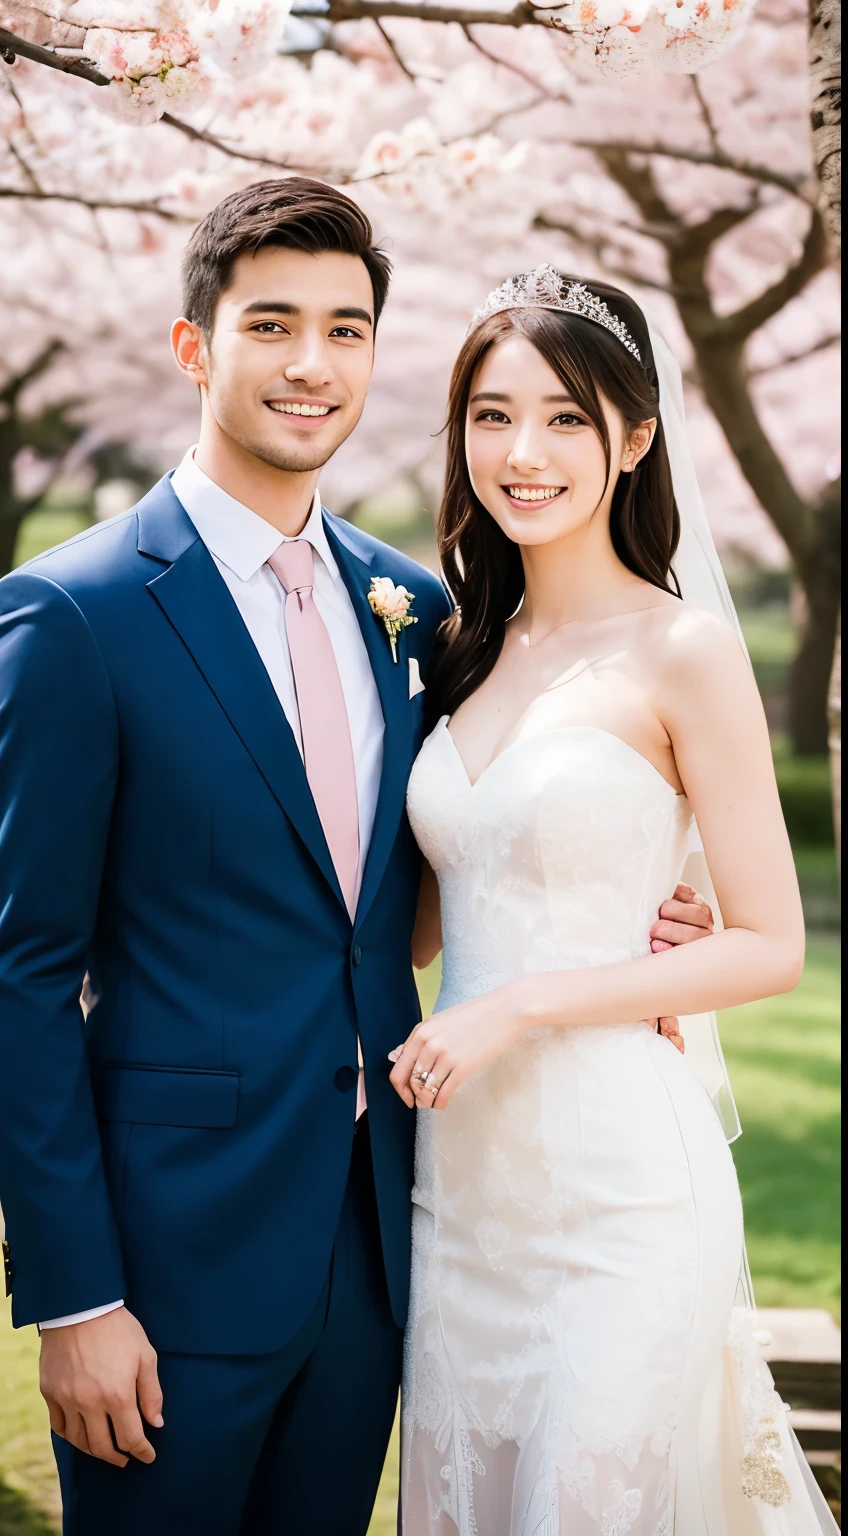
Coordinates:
(346, 1079)
(357, 954)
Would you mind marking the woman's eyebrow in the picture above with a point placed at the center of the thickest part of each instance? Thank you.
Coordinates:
(489, 394)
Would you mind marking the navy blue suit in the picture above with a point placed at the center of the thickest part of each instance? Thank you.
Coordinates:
(189, 1147)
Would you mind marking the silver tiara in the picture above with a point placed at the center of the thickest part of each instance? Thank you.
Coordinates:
(545, 289)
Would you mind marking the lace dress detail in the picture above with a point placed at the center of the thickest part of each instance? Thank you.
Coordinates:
(577, 1230)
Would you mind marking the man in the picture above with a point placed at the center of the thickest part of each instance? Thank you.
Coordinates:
(205, 740)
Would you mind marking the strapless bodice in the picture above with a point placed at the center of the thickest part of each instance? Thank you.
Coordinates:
(558, 857)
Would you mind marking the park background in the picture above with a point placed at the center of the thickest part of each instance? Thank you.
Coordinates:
(685, 150)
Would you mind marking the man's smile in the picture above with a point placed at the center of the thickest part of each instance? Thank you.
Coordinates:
(303, 409)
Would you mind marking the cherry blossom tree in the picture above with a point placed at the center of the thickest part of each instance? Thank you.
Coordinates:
(825, 61)
(479, 144)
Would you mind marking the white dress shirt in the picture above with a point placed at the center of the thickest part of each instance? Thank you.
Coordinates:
(240, 542)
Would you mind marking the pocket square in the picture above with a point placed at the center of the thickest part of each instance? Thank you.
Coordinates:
(415, 683)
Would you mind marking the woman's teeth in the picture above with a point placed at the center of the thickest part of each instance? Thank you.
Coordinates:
(299, 410)
(528, 493)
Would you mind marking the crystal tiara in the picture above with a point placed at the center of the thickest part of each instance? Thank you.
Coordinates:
(545, 289)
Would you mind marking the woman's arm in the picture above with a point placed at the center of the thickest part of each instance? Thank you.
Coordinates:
(711, 708)
(427, 933)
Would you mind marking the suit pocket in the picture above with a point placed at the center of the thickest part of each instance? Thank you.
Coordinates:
(181, 1096)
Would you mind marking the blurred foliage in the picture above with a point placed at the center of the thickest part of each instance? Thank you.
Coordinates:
(805, 794)
(783, 1055)
(42, 529)
(771, 643)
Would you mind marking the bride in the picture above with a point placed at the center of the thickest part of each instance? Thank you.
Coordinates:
(576, 1361)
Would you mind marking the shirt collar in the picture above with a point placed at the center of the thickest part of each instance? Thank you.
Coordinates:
(239, 538)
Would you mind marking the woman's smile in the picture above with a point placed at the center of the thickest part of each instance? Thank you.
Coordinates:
(520, 495)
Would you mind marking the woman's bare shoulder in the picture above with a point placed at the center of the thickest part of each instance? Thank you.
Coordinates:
(691, 648)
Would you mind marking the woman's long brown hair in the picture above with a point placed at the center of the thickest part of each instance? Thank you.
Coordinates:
(482, 567)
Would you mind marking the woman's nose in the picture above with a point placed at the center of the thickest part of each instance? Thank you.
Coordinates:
(527, 457)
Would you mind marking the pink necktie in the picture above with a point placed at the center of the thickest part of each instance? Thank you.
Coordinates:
(324, 726)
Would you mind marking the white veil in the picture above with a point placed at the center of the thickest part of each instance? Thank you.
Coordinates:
(703, 583)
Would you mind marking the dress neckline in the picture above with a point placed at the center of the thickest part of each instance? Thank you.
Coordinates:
(595, 730)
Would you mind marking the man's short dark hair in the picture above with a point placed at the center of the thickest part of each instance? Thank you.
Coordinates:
(297, 213)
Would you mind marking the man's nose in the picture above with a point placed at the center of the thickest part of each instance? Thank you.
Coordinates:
(311, 364)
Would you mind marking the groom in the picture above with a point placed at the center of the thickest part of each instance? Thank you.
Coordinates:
(205, 740)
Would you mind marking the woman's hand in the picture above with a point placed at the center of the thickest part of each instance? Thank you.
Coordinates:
(451, 1046)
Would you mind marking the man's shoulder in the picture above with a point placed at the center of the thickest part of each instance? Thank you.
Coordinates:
(103, 559)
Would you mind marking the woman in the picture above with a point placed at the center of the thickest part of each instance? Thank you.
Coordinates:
(574, 1361)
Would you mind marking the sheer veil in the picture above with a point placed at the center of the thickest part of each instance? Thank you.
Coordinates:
(703, 583)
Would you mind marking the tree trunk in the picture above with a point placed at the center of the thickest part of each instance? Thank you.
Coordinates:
(811, 533)
(10, 523)
(10, 513)
(810, 673)
(825, 64)
(834, 713)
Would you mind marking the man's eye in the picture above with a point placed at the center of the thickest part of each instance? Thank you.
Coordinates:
(345, 331)
(267, 327)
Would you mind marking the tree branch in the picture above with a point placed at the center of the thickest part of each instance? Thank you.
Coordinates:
(740, 325)
(823, 345)
(796, 185)
(18, 47)
(515, 69)
(15, 386)
(97, 205)
(706, 114)
(395, 51)
(522, 13)
(202, 136)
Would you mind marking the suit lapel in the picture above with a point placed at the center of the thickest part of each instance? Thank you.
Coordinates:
(194, 596)
(355, 564)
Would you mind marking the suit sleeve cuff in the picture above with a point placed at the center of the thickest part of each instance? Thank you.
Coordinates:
(81, 1317)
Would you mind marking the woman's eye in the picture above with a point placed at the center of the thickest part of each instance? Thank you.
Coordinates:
(497, 416)
(568, 419)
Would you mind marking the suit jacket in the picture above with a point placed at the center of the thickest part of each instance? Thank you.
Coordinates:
(187, 1145)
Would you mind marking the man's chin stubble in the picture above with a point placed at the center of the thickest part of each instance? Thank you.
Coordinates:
(297, 461)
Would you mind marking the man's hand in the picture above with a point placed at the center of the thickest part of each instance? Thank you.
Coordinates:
(98, 1379)
(685, 918)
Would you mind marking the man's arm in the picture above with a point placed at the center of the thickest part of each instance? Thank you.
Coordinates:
(681, 920)
(58, 773)
(58, 768)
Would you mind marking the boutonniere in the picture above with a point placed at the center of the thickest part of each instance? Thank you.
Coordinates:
(391, 604)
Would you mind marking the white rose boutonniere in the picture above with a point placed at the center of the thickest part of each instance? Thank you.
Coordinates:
(391, 604)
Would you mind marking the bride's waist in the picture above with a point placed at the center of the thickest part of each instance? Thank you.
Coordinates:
(466, 975)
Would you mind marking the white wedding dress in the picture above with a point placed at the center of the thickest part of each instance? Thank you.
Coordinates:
(576, 1365)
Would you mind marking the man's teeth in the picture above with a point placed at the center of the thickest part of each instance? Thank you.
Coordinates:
(299, 410)
(527, 493)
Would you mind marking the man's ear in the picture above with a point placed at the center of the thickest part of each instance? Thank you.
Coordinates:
(188, 345)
